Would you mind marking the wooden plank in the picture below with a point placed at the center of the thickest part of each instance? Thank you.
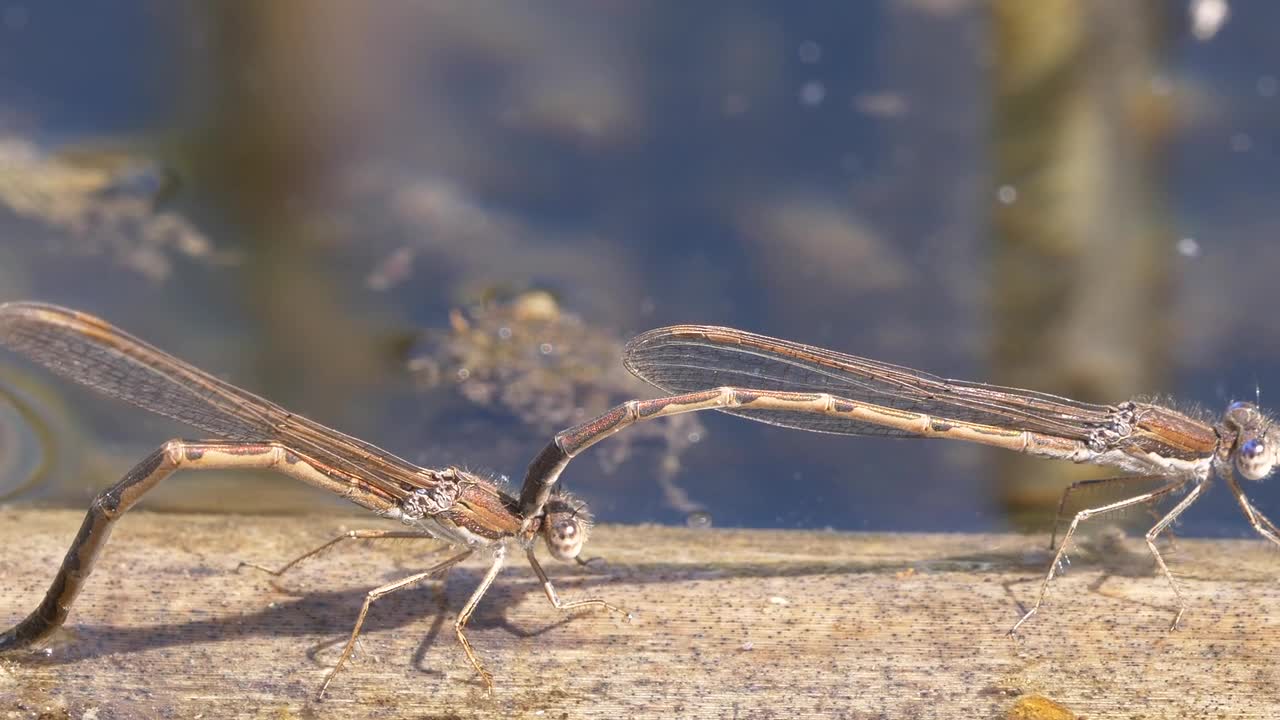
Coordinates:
(728, 624)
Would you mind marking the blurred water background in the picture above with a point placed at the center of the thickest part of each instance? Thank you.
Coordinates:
(431, 224)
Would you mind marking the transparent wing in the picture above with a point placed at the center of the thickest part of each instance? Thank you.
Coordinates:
(91, 352)
(688, 358)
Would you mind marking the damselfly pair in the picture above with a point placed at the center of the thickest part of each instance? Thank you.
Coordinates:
(756, 377)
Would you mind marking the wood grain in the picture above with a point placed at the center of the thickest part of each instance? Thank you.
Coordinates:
(729, 624)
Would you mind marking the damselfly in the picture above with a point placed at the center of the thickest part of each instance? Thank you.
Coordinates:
(801, 386)
(450, 504)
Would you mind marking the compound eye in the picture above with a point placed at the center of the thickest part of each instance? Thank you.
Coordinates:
(1252, 459)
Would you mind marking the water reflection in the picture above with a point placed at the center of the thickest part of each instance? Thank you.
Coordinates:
(827, 173)
(22, 453)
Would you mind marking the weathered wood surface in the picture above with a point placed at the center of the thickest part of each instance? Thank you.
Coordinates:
(731, 624)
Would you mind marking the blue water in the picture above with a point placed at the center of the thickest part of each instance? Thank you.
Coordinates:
(817, 171)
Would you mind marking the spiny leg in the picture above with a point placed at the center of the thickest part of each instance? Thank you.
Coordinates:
(559, 604)
(1260, 522)
(1081, 485)
(379, 592)
(499, 557)
(1168, 532)
(348, 535)
(1075, 522)
(115, 501)
(1155, 531)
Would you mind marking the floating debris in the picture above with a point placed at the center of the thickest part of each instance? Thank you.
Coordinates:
(106, 202)
(549, 370)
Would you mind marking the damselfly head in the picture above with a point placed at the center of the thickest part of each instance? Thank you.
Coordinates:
(565, 527)
(1256, 456)
(1257, 442)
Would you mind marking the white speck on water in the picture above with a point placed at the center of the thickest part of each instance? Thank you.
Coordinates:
(463, 373)
(698, 519)
(546, 348)
(504, 333)
(1188, 247)
(695, 437)
(1208, 17)
(813, 93)
(1007, 194)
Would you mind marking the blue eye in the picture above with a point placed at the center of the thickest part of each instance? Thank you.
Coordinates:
(1252, 448)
